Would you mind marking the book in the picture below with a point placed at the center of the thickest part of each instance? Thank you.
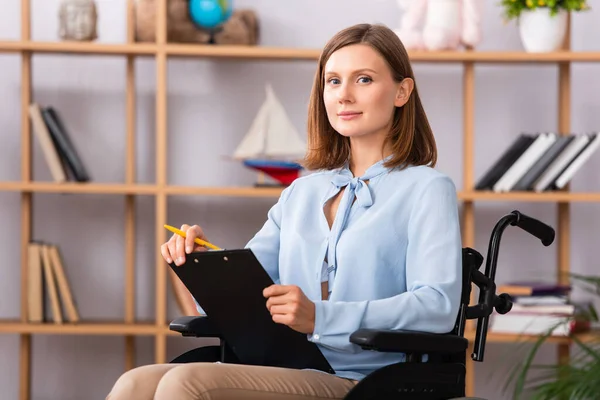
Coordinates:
(537, 324)
(46, 143)
(561, 162)
(542, 142)
(66, 297)
(537, 300)
(527, 180)
(510, 155)
(35, 283)
(577, 163)
(533, 289)
(558, 309)
(57, 315)
(47, 279)
(64, 145)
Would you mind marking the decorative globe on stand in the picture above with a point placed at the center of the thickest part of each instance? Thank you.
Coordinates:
(210, 14)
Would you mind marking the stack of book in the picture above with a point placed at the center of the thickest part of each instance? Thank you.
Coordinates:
(539, 162)
(58, 149)
(538, 308)
(47, 279)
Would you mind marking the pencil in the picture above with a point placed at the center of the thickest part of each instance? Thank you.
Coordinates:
(196, 240)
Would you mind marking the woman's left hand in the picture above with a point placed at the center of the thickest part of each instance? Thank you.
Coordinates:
(289, 306)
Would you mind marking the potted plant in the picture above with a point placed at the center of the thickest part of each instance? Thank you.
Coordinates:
(578, 379)
(542, 23)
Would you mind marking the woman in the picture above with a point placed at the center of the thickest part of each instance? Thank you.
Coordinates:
(370, 240)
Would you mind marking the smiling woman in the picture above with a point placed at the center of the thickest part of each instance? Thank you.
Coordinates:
(370, 241)
(365, 86)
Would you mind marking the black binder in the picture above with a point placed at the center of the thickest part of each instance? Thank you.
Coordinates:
(63, 144)
(228, 285)
(508, 158)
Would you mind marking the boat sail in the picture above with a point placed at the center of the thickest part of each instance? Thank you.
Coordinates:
(272, 142)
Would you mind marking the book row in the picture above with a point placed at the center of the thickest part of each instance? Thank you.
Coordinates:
(541, 308)
(539, 162)
(47, 279)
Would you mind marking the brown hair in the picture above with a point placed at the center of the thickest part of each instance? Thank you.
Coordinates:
(411, 135)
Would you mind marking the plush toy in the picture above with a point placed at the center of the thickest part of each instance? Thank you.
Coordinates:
(241, 28)
(440, 24)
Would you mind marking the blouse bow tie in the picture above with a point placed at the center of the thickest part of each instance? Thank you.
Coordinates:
(356, 186)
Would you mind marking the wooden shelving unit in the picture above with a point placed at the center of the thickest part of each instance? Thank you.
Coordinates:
(240, 191)
(161, 51)
(285, 54)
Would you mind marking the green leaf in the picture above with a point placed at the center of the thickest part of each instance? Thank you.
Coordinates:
(578, 378)
(514, 8)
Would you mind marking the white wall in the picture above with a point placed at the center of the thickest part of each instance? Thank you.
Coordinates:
(211, 104)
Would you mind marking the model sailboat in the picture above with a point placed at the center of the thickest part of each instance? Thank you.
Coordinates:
(272, 144)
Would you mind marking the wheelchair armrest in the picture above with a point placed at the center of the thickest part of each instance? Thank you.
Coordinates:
(198, 326)
(408, 341)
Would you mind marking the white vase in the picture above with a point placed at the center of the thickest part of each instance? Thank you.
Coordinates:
(542, 32)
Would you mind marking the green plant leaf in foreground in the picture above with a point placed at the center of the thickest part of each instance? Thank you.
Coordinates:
(579, 378)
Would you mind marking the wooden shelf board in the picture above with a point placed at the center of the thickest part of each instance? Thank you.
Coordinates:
(242, 52)
(499, 57)
(72, 47)
(83, 328)
(560, 197)
(285, 53)
(144, 328)
(250, 191)
(515, 338)
(223, 191)
(74, 187)
(496, 337)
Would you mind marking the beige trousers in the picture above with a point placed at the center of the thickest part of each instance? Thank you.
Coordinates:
(214, 381)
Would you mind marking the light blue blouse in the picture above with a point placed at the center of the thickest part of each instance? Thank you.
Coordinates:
(394, 256)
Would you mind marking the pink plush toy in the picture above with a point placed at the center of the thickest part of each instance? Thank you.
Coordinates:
(440, 24)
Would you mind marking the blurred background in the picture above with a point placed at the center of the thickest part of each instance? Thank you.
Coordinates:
(211, 103)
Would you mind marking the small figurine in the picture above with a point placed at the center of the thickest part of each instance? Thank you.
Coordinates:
(78, 20)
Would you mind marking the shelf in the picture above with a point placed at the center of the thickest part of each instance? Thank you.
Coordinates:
(284, 53)
(79, 48)
(74, 187)
(499, 57)
(137, 189)
(498, 337)
(242, 52)
(149, 329)
(84, 328)
(239, 191)
(516, 338)
(548, 197)
(250, 191)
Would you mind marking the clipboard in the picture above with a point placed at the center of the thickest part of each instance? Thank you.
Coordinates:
(228, 285)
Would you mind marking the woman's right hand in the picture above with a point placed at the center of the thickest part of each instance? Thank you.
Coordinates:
(177, 247)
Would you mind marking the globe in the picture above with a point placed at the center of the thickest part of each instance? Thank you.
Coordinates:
(210, 13)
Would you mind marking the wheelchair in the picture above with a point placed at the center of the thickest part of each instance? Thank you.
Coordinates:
(442, 375)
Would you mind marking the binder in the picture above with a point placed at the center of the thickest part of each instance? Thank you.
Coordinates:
(63, 144)
(574, 166)
(510, 155)
(527, 181)
(524, 162)
(558, 165)
(228, 285)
